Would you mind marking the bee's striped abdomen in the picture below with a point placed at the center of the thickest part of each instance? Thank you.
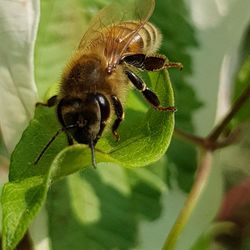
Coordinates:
(146, 41)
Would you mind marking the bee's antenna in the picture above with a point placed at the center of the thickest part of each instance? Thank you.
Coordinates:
(51, 140)
(92, 147)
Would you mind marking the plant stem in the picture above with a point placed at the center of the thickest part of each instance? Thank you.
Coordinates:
(213, 136)
(203, 173)
(189, 137)
(211, 141)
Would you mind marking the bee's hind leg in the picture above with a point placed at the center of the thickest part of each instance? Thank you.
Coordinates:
(150, 96)
(151, 63)
(119, 114)
(50, 103)
(159, 62)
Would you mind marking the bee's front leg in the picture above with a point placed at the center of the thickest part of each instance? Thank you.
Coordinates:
(119, 114)
(69, 139)
(50, 103)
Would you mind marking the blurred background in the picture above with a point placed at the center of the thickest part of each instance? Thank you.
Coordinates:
(115, 208)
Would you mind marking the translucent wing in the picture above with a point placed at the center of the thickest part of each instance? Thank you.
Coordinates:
(104, 32)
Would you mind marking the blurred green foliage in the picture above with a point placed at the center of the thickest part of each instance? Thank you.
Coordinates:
(242, 80)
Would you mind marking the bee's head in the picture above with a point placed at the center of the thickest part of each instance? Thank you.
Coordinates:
(84, 117)
(84, 114)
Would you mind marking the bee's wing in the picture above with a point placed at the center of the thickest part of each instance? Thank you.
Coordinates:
(115, 13)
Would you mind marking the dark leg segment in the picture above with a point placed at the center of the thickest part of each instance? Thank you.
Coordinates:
(148, 94)
(136, 60)
(50, 103)
(120, 115)
(137, 81)
(69, 138)
(151, 63)
(159, 62)
(102, 126)
(154, 100)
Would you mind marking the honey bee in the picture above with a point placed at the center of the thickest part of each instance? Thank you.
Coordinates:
(119, 42)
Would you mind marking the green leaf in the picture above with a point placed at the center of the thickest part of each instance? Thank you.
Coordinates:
(144, 139)
(26, 191)
(21, 201)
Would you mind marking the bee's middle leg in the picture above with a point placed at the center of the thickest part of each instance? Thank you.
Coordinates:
(150, 96)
